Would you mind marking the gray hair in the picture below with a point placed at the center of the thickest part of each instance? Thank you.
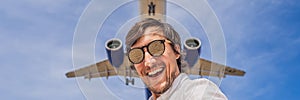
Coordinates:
(139, 28)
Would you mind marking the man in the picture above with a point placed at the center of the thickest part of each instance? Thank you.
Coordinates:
(154, 49)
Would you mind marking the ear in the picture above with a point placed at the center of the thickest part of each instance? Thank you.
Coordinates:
(177, 53)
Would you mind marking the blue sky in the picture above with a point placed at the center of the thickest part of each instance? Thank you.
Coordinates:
(262, 38)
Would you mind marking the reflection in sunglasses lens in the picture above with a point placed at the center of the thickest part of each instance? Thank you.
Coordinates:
(155, 48)
(136, 55)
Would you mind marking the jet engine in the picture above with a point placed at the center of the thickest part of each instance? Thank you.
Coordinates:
(115, 53)
(192, 46)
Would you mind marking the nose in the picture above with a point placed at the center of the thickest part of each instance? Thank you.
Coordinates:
(149, 60)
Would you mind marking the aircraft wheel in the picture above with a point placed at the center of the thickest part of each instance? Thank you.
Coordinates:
(126, 81)
(132, 81)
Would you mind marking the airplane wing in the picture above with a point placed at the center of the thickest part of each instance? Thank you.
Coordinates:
(208, 68)
(102, 69)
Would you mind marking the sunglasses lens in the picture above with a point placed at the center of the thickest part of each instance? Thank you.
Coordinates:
(136, 55)
(156, 48)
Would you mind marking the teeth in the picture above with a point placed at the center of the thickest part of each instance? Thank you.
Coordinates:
(155, 71)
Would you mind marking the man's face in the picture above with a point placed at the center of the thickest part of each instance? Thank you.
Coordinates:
(158, 73)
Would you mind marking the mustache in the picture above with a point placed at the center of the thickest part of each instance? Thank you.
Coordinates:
(153, 65)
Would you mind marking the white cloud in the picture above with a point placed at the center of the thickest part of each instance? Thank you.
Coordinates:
(36, 49)
(256, 43)
(36, 39)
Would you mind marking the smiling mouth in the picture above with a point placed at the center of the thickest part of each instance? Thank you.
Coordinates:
(155, 73)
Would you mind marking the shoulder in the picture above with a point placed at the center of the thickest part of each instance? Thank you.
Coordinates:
(202, 88)
(198, 83)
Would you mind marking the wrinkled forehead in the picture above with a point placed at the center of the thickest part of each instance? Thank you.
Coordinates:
(146, 39)
(153, 30)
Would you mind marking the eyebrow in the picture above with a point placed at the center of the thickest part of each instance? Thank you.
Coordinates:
(147, 35)
(149, 42)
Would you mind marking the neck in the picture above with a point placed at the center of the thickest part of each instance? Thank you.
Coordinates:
(156, 95)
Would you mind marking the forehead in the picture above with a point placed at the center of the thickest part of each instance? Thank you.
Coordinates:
(153, 30)
(146, 39)
(150, 34)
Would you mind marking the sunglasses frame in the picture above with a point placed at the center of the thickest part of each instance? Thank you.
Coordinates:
(147, 46)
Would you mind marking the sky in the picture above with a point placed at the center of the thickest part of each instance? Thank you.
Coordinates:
(36, 39)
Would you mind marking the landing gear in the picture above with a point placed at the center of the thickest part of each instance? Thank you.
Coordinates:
(126, 81)
(131, 80)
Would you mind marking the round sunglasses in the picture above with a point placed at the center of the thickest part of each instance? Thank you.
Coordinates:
(155, 48)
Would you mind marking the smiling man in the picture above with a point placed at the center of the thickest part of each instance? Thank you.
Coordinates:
(154, 49)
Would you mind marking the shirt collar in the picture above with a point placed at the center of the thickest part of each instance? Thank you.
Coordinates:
(178, 80)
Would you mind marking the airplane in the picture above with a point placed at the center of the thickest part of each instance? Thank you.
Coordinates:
(118, 64)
